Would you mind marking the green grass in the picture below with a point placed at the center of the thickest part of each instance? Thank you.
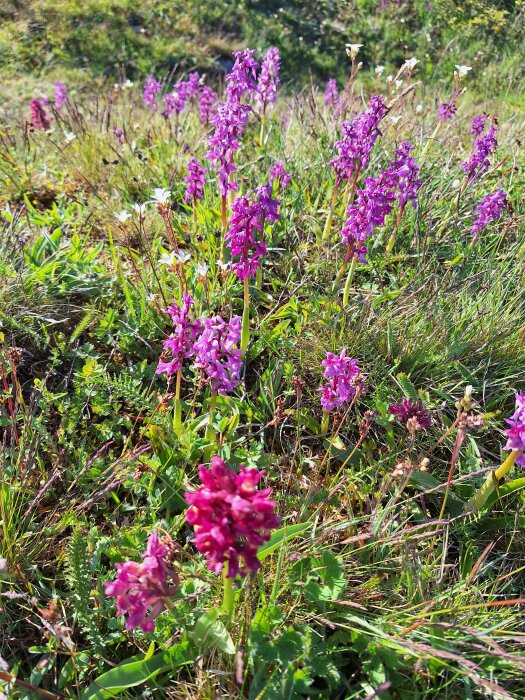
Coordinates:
(384, 585)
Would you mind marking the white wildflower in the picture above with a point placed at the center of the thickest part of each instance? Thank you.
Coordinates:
(462, 71)
(122, 216)
(353, 49)
(202, 269)
(183, 257)
(161, 196)
(411, 63)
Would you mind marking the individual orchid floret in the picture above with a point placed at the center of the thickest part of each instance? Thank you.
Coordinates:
(515, 433)
(195, 180)
(181, 343)
(279, 173)
(60, 94)
(152, 88)
(268, 78)
(411, 414)
(141, 588)
(479, 161)
(489, 209)
(119, 134)
(39, 117)
(243, 76)
(231, 518)
(217, 353)
(341, 372)
(447, 110)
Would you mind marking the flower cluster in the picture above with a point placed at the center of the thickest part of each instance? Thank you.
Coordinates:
(245, 234)
(478, 124)
(243, 76)
(231, 517)
(479, 161)
(207, 103)
(181, 343)
(151, 88)
(373, 204)
(60, 94)
(278, 172)
(447, 110)
(331, 96)
(268, 78)
(39, 117)
(490, 208)
(405, 172)
(196, 179)
(516, 432)
(411, 414)
(217, 353)
(229, 121)
(375, 200)
(183, 91)
(357, 139)
(341, 372)
(142, 587)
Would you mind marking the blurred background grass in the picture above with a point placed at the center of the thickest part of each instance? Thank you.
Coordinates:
(115, 39)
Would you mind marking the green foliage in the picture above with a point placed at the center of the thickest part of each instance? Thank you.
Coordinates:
(79, 575)
(379, 582)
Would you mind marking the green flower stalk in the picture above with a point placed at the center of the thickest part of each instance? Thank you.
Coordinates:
(177, 418)
(228, 596)
(328, 224)
(245, 329)
(349, 279)
(516, 443)
(492, 481)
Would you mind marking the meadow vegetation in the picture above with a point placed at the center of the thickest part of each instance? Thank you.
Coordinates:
(220, 275)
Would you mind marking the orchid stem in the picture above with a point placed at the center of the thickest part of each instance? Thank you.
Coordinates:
(228, 600)
(349, 279)
(324, 422)
(210, 433)
(177, 419)
(328, 224)
(245, 331)
(481, 496)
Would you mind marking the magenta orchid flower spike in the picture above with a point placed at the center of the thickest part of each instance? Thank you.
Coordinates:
(232, 519)
(140, 589)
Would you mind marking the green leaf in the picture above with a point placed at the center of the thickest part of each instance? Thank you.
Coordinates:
(408, 388)
(210, 632)
(278, 536)
(505, 490)
(427, 482)
(130, 674)
(332, 580)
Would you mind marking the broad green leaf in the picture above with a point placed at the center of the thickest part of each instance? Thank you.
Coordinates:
(505, 490)
(210, 632)
(278, 536)
(130, 674)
